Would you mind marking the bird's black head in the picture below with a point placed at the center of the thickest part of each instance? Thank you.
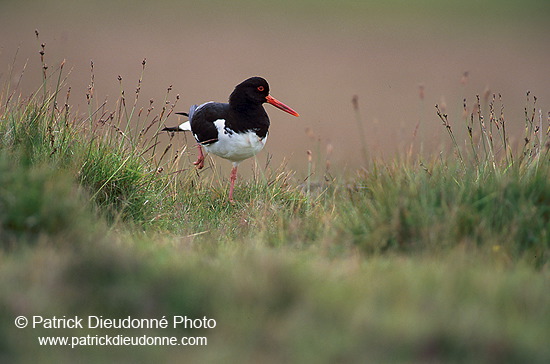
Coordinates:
(252, 91)
(250, 94)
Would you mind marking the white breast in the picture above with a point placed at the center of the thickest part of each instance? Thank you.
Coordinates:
(235, 147)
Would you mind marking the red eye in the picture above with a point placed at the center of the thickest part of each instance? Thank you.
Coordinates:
(260, 88)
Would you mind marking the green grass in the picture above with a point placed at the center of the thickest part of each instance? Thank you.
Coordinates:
(411, 209)
(442, 260)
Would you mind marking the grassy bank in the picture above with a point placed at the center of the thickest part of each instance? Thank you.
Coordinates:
(411, 261)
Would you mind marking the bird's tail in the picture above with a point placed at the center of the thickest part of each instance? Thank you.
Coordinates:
(186, 126)
(172, 128)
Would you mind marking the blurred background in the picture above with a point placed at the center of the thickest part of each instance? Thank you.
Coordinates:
(399, 58)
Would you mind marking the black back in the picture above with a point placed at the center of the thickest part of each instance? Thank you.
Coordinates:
(243, 113)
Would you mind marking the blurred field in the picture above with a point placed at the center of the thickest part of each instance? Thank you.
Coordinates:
(435, 248)
(317, 56)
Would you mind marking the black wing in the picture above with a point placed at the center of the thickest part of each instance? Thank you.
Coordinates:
(202, 120)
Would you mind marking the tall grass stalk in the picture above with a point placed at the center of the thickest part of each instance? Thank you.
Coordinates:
(445, 120)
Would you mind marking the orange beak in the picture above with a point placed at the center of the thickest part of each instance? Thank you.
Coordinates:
(279, 105)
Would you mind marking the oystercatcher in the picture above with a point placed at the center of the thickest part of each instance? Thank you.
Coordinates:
(236, 130)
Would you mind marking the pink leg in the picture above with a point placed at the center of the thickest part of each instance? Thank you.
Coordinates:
(200, 159)
(232, 178)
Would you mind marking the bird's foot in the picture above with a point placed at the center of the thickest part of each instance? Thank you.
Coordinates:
(199, 163)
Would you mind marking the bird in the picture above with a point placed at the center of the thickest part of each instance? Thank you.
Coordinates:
(236, 130)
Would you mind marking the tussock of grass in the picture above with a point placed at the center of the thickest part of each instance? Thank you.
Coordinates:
(409, 209)
(444, 260)
(37, 202)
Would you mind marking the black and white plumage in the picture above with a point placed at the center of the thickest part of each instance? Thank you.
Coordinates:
(236, 130)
